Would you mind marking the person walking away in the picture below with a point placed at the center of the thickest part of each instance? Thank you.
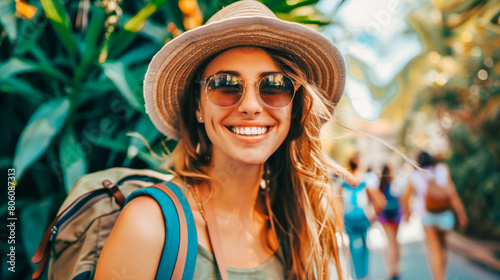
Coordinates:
(356, 220)
(436, 223)
(390, 218)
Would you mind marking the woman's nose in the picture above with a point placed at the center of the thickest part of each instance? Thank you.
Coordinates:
(250, 104)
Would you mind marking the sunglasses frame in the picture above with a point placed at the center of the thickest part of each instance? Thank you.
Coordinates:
(205, 81)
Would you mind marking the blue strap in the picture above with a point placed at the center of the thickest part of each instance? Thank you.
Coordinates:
(172, 231)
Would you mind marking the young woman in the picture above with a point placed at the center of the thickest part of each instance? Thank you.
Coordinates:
(390, 218)
(356, 218)
(245, 95)
(436, 225)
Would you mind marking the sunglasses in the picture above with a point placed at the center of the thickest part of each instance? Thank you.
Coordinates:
(225, 90)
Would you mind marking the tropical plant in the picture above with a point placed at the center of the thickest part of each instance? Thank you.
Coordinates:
(71, 85)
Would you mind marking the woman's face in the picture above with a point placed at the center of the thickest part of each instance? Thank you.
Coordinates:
(227, 127)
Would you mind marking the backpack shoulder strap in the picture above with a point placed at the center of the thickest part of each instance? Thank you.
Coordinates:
(346, 185)
(178, 258)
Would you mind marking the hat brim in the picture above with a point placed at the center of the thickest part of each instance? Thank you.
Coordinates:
(171, 68)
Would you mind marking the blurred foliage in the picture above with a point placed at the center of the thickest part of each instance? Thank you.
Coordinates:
(71, 84)
(459, 69)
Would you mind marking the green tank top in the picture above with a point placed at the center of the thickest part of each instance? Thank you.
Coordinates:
(206, 268)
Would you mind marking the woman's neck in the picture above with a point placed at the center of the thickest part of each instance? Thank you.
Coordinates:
(235, 188)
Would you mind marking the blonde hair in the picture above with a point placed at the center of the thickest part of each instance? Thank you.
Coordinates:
(304, 211)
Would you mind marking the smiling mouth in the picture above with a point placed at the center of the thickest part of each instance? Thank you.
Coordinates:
(250, 130)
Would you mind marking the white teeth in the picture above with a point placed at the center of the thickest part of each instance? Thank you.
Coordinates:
(249, 130)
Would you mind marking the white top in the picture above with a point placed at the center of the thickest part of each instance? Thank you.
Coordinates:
(420, 183)
(372, 181)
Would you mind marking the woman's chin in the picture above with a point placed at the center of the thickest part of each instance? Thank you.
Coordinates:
(252, 161)
(251, 157)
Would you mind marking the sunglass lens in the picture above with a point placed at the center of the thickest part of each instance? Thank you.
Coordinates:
(276, 90)
(225, 90)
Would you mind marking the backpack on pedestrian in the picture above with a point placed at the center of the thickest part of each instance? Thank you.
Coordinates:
(391, 209)
(437, 199)
(74, 240)
(355, 218)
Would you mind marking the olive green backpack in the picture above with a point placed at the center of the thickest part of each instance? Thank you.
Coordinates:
(73, 242)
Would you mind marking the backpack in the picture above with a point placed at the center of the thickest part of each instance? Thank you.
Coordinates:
(437, 199)
(355, 219)
(75, 239)
(392, 208)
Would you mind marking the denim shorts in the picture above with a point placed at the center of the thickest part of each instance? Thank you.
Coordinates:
(442, 221)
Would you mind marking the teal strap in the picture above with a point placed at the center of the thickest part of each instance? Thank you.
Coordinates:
(172, 231)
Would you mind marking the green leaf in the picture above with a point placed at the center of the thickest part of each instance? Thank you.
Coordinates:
(14, 66)
(39, 54)
(118, 42)
(93, 89)
(20, 87)
(8, 18)
(72, 158)
(118, 144)
(140, 70)
(52, 72)
(35, 217)
(302, 19)
(128, 85)
(59, 18)
(157, 32)
(136, 23)
(38, 134)
(142, 53)
(122, 39)
(94, 30)
(285, 8)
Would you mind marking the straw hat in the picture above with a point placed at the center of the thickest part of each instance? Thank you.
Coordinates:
(243, 23)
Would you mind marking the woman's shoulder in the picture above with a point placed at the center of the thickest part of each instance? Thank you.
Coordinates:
(442, 174)
(441, 169)
(137, 235)
(416, 175)
(140, 220)
(140, 225)
(144, 214)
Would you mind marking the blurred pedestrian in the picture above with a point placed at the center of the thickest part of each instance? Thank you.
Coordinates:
(436, 223)
(390, 218)
(376, 198)
(356, 219)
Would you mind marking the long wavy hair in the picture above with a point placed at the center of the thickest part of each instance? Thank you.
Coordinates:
(385, 180)
(304, 212)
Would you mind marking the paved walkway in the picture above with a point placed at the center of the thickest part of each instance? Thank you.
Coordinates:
(462, 265)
